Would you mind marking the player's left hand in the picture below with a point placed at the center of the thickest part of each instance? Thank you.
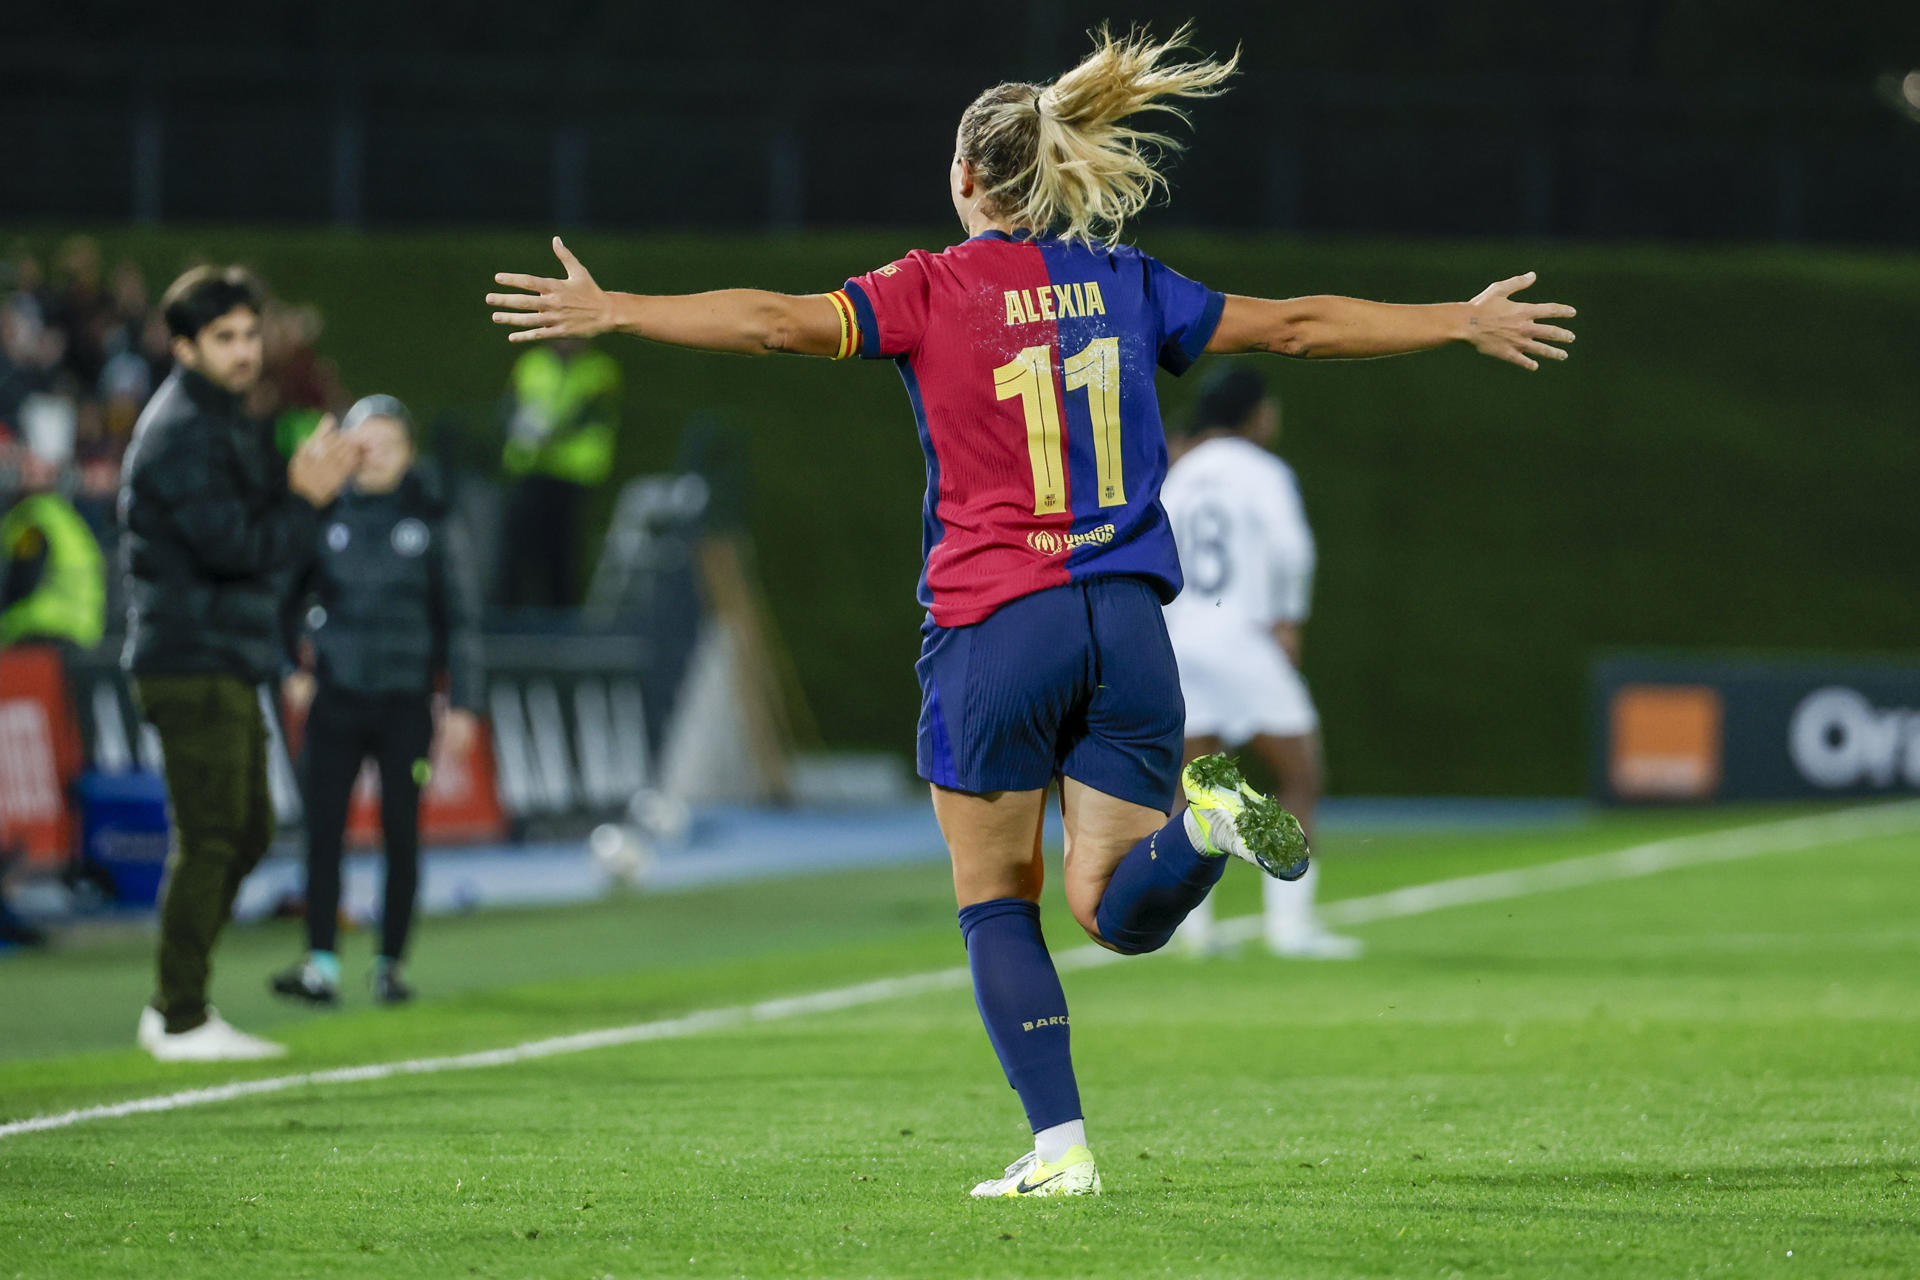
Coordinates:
(575, 307)
(1513, 331)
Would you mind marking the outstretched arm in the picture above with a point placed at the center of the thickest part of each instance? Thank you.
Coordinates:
(749, 322)
(1333, 328)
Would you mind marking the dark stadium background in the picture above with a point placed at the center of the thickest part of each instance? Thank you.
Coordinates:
(1695, 119)
(1730, 192)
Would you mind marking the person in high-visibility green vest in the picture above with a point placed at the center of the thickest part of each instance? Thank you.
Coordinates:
(53, 578)
(566, 411)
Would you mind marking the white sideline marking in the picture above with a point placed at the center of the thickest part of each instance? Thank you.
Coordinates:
(1782, 836)
(1785, 835)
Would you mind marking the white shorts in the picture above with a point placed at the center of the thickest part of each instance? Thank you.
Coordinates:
(1239, 685)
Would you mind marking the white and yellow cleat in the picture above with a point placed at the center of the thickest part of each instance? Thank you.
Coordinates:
(1074, 1174)
(1226, 815)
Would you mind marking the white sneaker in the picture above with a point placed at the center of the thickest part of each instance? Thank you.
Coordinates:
(1316, 944)
(152, 1026)
(1073, 1175)
(215, 1040)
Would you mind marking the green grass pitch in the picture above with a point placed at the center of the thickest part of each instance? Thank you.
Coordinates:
(1711, 1071)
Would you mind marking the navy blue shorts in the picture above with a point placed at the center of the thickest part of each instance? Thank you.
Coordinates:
(1076, 680)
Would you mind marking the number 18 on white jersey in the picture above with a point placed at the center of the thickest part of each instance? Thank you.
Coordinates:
(1248, 559)
(1245, 548)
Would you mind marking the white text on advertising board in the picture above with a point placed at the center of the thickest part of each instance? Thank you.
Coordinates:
(1839, 739)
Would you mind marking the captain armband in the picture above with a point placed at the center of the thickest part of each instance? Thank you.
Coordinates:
(849, 326)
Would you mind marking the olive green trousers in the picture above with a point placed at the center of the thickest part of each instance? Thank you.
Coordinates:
(221, 814)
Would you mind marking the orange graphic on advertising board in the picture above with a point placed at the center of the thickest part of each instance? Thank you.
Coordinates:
(1665, 742)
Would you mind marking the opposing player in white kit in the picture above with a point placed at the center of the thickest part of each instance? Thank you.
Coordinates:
(1248, 557)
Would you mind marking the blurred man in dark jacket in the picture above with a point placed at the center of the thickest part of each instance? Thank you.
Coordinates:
(394, 608)
(213, 522)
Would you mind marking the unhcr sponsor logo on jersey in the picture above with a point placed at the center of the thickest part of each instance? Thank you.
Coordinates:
(1049, 543)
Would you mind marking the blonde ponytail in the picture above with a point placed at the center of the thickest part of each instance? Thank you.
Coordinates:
(1058, 157)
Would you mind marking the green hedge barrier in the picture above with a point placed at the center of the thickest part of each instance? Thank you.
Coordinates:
(1732, 459)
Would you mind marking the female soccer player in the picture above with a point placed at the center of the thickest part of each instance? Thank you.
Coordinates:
(1028, 352)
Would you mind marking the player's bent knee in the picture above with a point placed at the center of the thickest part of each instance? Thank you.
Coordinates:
(1135, 948)
(1124, 942)
(1115, 947)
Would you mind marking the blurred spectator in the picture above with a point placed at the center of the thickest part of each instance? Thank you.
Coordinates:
(31, 351)
(299, 385)
(22, 280)
(52, 573)
(565, 414)
(128, 375)
(125, 384)
(81, 308)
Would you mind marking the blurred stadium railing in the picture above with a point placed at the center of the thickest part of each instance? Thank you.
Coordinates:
(1610, 121)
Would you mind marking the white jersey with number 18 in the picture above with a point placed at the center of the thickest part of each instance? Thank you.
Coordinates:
(1248, 559)
(1245, 548)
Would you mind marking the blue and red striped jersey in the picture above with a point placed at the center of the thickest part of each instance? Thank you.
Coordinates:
(1030, 364)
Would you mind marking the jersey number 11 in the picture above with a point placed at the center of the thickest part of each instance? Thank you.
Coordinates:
(1029, 375)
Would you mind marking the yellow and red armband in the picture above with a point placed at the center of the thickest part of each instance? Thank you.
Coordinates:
(849, 326)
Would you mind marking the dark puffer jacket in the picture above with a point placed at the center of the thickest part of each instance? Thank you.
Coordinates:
(211, 536)
(397, 600)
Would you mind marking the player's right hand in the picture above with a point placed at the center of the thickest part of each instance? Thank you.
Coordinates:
(575, 307)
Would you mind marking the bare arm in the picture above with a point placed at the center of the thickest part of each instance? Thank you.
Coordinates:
(748, 322)
(1326, 327)
(1288, 635)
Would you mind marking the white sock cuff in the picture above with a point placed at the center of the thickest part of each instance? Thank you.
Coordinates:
(1195, 836)
(1054, 1142)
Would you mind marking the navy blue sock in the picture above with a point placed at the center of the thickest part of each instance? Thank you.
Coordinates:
(1156, 884)
(1021, 1002)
